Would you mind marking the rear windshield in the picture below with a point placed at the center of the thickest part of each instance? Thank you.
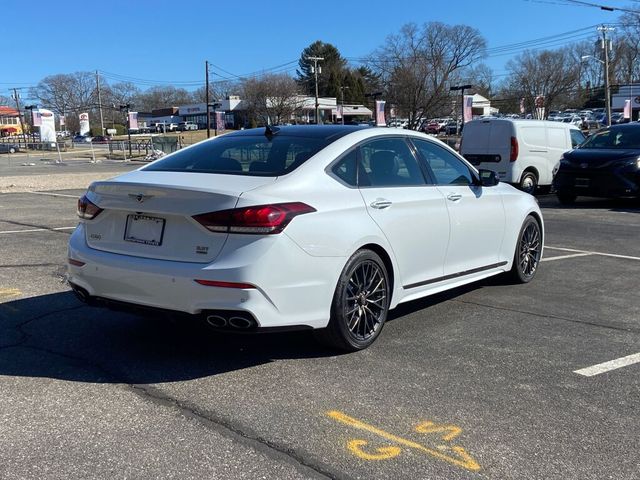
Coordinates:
(621, 138)
(243, 155)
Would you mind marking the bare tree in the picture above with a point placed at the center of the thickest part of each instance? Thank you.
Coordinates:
(418, 65)
(162, 96)
(273, 98)
(552, 74)
(217, 91)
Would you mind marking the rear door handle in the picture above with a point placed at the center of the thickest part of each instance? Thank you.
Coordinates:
(454, 197)
(381, 204)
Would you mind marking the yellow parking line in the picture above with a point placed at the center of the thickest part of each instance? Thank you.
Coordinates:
(9, 293)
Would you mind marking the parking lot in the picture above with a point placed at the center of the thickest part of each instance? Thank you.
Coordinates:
(486, 381)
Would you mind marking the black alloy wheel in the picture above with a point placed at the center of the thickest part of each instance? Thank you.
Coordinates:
(360, 304)
(528, 251)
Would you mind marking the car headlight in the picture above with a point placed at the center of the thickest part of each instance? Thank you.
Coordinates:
(638, 163)
(564, 162)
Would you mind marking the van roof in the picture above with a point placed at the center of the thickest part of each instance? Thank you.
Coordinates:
(522, 121)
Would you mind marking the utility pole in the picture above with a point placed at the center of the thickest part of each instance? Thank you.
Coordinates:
(342, 91)
(206, 96)
(99, 103)
(16, 97)
(315, 61)
(606, 45)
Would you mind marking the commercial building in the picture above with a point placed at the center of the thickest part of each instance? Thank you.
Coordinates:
(9, 122)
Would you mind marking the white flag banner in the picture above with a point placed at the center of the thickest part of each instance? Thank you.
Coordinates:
(468, 108)
(47, 125)
(380, 121)
(84, 124)
(133, 120)
(627, 109)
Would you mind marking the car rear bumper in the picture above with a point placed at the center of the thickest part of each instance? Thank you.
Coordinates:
(292, 288)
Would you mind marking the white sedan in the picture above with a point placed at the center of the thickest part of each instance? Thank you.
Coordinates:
(322, 227)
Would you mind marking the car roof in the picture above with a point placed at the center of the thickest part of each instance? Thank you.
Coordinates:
(328, 132)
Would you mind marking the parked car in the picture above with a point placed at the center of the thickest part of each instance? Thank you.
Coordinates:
(432, 128)
(9, 148)
(607, 164)
(184, 126)
(82, 139)
(521, 152)
(324, 227)
(451, 128)
(100, 139)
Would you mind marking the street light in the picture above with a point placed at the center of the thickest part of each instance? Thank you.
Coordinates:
(127, 108)
(607, 87)
(31, 108)
(375, 96)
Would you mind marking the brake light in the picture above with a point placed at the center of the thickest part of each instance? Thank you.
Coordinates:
(259, 219)
(86, 209)
(514, 149)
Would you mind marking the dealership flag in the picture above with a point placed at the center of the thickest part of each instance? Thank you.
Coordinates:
(468, 108)
(627, 109)
(62, 120)
(380, 122)
(339, 112)
(36, 119)
(220, 121)
(133, 120)
(522, 105)
(84, 124)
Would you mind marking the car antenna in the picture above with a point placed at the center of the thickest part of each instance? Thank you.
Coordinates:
(270, 131)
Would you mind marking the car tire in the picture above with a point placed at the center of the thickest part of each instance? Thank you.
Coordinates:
(528, 182)
(566, 198)
(528, 252)
(360, 304)
(12, 150)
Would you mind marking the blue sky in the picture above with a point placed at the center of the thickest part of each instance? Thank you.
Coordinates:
(168, 41)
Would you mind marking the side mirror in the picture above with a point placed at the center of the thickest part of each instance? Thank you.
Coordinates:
(488, 178)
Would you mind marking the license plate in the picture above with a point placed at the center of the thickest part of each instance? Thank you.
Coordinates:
(144, 229)
(582, 182)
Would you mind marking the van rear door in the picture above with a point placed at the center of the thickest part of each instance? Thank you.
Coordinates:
(487, 144)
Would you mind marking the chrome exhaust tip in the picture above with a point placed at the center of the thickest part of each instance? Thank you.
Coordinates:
(81, 294)
(216, 321)
(241, 323)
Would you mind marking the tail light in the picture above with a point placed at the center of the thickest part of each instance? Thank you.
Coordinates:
(86, 209)
(260, 219)
(514, 149)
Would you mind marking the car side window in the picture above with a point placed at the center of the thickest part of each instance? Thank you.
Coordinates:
(577, 137)
(446, 167)
(388, 162)
(346, 168)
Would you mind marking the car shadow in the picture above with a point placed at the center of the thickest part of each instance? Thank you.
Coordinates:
(626, 205)
(56, 336)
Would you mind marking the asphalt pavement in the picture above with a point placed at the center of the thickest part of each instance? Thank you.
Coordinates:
(476, 383)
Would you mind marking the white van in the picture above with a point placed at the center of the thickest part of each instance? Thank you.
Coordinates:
(521, 152)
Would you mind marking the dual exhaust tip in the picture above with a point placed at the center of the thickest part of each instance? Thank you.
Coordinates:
(235, 322)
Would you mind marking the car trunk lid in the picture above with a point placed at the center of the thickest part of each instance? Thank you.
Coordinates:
(149, 214)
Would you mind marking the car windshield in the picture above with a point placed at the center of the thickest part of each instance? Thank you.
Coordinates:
(255, 155)
(614, 138)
